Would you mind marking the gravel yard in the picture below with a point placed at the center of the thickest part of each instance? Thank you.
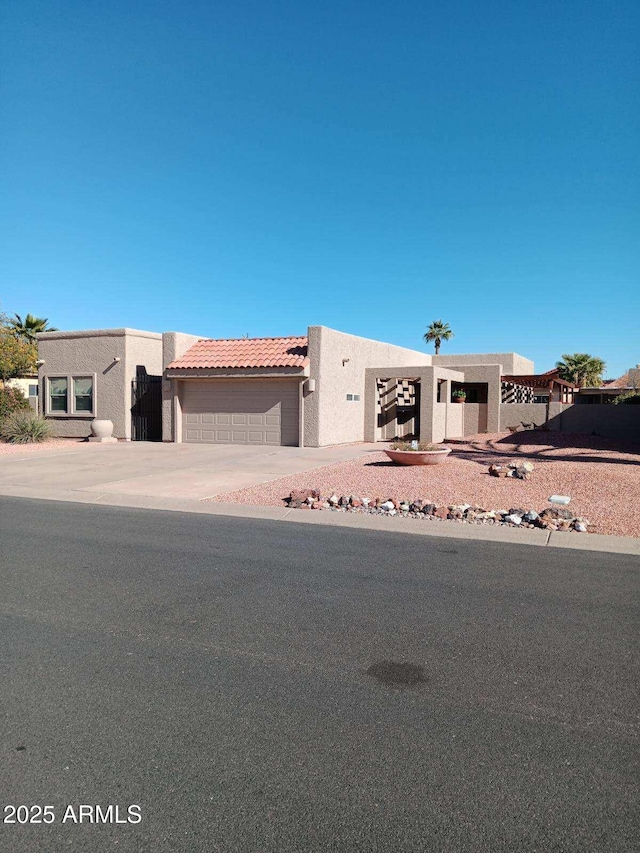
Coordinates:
(601, 477)
(7, 449)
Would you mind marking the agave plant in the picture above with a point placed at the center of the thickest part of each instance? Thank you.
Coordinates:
(25, 428)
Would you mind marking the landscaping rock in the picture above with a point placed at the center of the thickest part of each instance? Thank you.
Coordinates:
(521, 470)
(300, 495)
(498, 471)
(553, 513)
(553, 518)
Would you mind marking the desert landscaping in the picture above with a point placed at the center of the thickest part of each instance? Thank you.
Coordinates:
(601, 478)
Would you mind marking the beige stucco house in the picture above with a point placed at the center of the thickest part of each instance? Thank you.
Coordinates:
(29, 387)
(322, 388)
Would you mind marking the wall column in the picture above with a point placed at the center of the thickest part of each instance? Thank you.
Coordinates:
(428, 396)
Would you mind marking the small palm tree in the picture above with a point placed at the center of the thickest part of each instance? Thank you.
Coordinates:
(581, 369)
(30, 326)
(438, 332)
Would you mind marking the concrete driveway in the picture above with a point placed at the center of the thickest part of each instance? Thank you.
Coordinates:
(159, 470)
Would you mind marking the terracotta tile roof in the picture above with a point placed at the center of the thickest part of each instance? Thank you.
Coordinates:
(245, 352)
(623, 381)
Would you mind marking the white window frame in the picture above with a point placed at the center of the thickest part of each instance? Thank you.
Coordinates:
(71, 398)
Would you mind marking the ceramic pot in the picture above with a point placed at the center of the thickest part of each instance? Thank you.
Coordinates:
(101, 429)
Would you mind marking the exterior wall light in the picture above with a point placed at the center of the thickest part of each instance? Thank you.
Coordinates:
(116, 358)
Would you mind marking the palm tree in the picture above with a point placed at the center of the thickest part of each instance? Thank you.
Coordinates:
(30, 326)
(581, 369)
(438, 332)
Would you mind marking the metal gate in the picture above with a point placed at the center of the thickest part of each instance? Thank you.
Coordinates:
(146, 408)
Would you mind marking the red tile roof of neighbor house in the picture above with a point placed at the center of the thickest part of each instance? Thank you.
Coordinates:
(623, 381)
(245, 352)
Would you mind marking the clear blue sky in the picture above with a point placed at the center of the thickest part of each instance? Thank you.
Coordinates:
(239, 167)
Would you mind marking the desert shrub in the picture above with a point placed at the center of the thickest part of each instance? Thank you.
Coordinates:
(630, 398)
(12, 400)
(25, 428)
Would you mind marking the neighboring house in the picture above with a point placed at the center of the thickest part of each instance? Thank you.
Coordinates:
(611, 388)
(29, 387)
(322, 388)
(538, 388)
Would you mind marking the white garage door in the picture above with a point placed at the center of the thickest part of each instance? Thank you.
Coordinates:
(243, 411)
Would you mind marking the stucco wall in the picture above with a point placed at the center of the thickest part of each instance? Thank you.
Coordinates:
(337, 363)
(174, 345)
(514, 414)
(447, 422)
(621, 423)
(93, 352)
(439, 420)
(475, 418)
(512, 363)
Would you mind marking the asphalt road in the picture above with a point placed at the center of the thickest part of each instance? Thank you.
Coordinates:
(257, 686)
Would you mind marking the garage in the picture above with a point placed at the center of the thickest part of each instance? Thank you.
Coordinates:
(241, 411)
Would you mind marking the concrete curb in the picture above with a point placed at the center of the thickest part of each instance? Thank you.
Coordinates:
(440, 529)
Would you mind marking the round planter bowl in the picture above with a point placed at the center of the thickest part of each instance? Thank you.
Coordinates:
(418, 457)
(458, 399)
(101, 428)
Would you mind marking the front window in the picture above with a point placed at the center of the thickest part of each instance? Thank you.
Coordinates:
(71, 395)
(58, 394)
(83, 394)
